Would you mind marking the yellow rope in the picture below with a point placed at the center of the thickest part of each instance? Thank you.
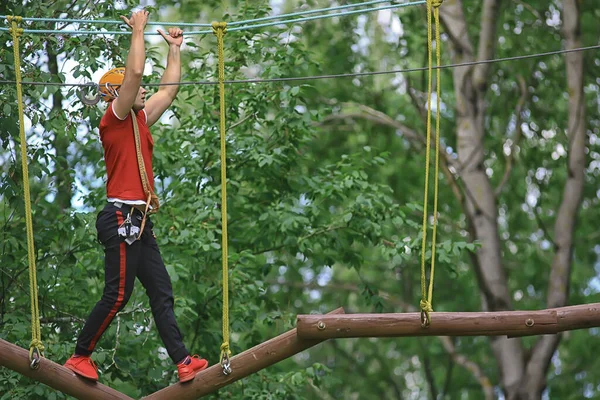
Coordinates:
(427, 295)
(36, 345)
(219, 29)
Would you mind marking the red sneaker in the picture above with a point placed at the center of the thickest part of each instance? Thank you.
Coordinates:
(83, 366)
(187, 372)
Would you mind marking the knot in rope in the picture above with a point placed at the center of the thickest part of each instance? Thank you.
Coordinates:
(225, 348)
(219, 26)
(15, 18)
(426, 306)
(16, 31)
(37, 344)
(435, 3)
(36, 352)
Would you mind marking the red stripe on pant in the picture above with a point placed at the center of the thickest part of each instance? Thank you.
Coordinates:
(121, 294)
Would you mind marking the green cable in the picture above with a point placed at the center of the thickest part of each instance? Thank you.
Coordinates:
(341, 14)
(103, 21)
(235, 23)
(299, 13)
(67, 32)
(239, 28)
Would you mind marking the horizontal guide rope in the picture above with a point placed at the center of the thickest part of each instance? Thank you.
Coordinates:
(233, 29)
(317, 77)
(204, 25)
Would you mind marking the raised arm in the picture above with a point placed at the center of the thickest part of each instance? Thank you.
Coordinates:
(134, 66)
(162, 99)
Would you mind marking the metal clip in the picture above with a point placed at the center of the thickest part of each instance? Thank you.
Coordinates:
(425, 320)
(35, 359)
(125, 228)
(226, 364)
(84, 93)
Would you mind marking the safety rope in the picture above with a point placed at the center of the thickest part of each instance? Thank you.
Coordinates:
(219, 29)
(328, 76)
(427, 295)
(152, 203)
(36, 347)
(205, 25)
(236, 28)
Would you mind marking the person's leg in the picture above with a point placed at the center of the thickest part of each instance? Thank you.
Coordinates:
(121, 261)
(154, 277)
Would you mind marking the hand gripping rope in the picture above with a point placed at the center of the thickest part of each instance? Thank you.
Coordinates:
(36, 348)
(426, 296)
(219, 29)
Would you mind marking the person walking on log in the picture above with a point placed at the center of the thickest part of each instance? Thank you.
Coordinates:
(124, 227)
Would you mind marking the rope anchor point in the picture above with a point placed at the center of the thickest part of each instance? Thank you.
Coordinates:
(89, 94)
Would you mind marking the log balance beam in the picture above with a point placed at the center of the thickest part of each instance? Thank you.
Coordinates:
(54, 375)
(499, 323)
(242, 365)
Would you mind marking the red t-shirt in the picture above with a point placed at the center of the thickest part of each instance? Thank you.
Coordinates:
(124, 181)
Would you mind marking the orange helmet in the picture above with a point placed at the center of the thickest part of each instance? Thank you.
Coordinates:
(110, 83)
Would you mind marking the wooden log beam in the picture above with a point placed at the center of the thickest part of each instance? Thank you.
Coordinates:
(243, 364)
(54, 375)
(509, 323)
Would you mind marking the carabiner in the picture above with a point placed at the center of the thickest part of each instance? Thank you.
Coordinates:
(425, 320)
(226, 364)
(86, 90)
(35, 359)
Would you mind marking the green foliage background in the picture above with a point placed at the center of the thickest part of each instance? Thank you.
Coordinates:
(324, 211)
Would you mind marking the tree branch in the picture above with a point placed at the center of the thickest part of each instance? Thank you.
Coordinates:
(472, 367)
(370, 114)
(448, 377)
(518, 135)
(365, 112)
(564, 227)
(487, 41)
(526, 5)
(352, 360)
(337, 287)
(567, 214)
(428, 371)
(480, 206)
(453, 20)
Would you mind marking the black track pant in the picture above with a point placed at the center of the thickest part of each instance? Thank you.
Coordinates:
(123, 263)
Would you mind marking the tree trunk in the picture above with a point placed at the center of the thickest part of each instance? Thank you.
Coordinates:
(534, 381)
(519, 379)
(64, 180)
(470, 86)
